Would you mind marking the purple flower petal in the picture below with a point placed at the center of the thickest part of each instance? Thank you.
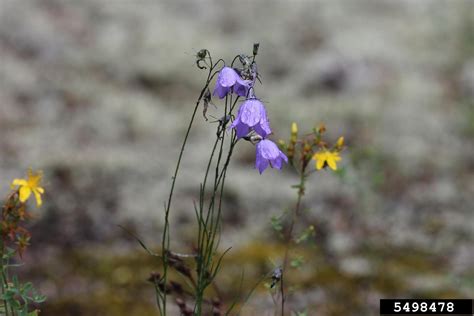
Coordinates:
(229, 80)
(268, 154)
(242, 130)
(277, 163)
(263, 129)
(225, 80)
(227, 77)
(221, 91)
(260, 163)
(252, 114)
(242, 87)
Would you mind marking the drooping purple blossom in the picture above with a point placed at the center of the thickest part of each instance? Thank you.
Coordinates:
(251, 116)
(268, 154)
(229, 80)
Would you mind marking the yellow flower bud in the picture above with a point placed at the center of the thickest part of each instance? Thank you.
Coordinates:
(294, 128)
(340, 142)
(294, 133)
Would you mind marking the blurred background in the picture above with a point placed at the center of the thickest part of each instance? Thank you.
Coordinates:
(98, 94)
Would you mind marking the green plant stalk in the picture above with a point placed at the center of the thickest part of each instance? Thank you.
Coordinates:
(289, 237)
(165, 245)
(209, 227)
(3, 267)
(4, 280)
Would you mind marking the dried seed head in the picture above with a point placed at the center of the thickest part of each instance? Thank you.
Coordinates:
(200, 57)
(255, 48)
(201, 54)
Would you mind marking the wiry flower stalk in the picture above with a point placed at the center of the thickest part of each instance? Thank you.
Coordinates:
(300, 152)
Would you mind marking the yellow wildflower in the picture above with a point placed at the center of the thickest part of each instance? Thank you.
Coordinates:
(27, 186)
(325, 157)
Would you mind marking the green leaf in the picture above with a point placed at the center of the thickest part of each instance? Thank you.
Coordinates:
(27, 287)
(297, 262)
(39, 298)
(308, 232)
(15, 304)
(276, 223)
(15, 281)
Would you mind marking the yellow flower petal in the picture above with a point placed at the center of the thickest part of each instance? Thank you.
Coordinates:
(33, 180)
(320, 157)
(40, 190)
(25, 193)
(19, 182)
(38, 197)
(318, 165)
(332, 162)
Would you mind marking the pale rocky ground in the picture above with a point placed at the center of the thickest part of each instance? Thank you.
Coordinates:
(98, 94)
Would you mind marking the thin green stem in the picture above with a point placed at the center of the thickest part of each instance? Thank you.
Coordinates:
(210, 225)
(289, 236)
(4, 281)
(165, 245)
(166, 237)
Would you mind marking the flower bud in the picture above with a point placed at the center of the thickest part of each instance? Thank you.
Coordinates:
(294, 132)
(321, 128)
(294, 128)
(255, 48)
(306, 148)
(340, 142)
